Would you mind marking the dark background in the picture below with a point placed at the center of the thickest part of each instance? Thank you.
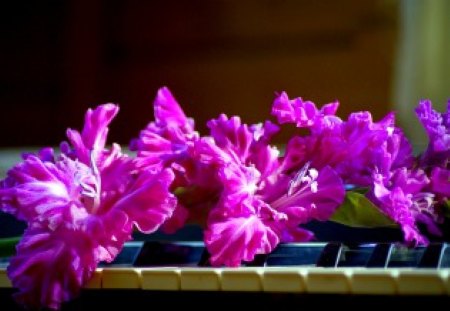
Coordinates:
(58, 58)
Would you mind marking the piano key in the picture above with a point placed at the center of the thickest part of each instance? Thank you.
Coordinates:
(204, 259)
(445, 262)
(404, 257)
(200, 279)
(373, 281)
(155, 253)
(446, 276)
(432, 256)
(329, 281)
(295, 254)
(245, 279)
(4, 280)
(259, 261)
(284, 280)
(421, 282)
(380, 256)
(96, 281)
(165, 279)
(355, 255)
(330, 255)
(123, 278)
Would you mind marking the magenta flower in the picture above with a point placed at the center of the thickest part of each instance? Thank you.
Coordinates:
(80, 209)
(354, 148)
(302, 113)
(437, 126)
(405, 199)
(167, 139)
(259, 206)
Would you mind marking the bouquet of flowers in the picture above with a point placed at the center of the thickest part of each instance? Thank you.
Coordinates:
(83, 202)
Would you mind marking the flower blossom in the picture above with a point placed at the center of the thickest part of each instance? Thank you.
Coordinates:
(230, 181)
(259, 206)
(80, 207)
(437, 127)
(405, 199)
(354, 148)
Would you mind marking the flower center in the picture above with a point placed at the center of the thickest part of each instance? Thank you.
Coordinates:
(304, 181)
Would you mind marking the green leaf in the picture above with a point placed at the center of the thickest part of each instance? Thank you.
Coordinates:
(446, 208)
(358, 211)
(8, 246)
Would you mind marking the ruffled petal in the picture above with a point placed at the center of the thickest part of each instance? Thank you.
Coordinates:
(51, 266)
(94, 133)
(169, 113)
(231, 240)
(149, 203)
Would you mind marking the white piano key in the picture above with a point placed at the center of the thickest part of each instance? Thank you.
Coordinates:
(166, 279)
(373, 282)
(421, 282)
(4, 280)
(285, 280)
(96, 280)
(123, 278)
(198, 279)
(245, 279)
(328, 281)
(446, 277)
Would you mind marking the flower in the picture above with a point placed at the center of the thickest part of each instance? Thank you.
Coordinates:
(354, 148)
(405, 199)
(80, 208)
(259, 205)
(83, 204)
(437, 126)
(230, 181)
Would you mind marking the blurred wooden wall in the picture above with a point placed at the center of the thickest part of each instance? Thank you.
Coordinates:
(217, 56)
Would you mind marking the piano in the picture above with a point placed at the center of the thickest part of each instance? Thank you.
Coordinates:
(303, 274)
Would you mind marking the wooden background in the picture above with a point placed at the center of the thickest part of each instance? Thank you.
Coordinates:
(58, 58)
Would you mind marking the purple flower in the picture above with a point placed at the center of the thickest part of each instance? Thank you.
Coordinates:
(80, 208)
(259, 206)
(440, 182)
(437, 126)
(90, 143)
(302, 113)
(354, 148)
(405, 199)
(167, 139)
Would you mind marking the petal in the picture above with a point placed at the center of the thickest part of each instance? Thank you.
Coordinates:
(168, 112)
(231, 240)
(149, 203)
(94, 133)
(51, 267)
(440, 182)
(37, 190)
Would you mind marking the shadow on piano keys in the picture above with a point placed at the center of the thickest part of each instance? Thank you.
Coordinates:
(306, 274)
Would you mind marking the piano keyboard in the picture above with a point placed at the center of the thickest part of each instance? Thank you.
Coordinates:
(332, 268)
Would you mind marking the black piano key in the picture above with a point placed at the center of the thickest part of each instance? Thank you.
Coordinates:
(330, 255)
(204, 259)
(432, 256)
(259, 261)
(295, 254)
(405, 257)
(355, 255)
(127, 255)
(380, 256)
(155, 253)
(445, 262)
